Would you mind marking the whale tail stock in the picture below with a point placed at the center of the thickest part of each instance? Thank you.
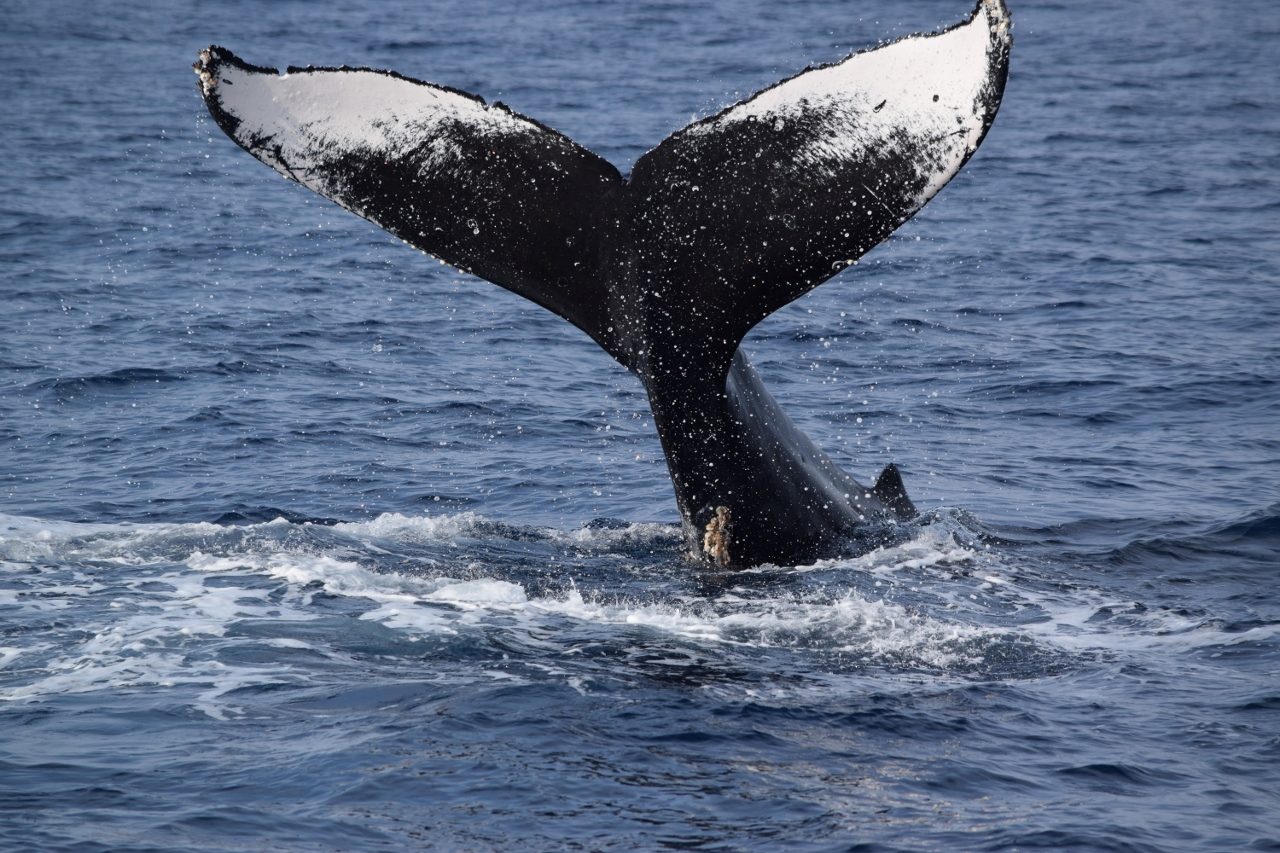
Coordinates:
(723, 223)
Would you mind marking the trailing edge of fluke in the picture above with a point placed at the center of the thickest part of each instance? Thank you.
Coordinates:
(720, 225)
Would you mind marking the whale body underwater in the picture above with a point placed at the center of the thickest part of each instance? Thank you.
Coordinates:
(667, 269)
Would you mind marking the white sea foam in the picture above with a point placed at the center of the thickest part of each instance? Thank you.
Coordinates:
(481, 593)
(871, 629)
(636, 534)
(449, 528)
(151, 618)
(416, 528)
(932, 546)
(133, 620)
(406, 601)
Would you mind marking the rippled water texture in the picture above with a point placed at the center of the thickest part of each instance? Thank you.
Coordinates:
(309, 543)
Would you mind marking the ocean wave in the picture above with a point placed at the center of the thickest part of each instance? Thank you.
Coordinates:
(70, 387)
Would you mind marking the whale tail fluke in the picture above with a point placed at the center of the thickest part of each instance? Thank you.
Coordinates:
(720, 225)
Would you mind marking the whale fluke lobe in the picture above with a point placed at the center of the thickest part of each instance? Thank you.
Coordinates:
(483, 189)
(772, 196)
(720, 225)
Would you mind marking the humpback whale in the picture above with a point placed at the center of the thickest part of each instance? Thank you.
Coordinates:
(667, 269)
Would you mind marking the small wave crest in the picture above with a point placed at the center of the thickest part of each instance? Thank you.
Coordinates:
(66, 388)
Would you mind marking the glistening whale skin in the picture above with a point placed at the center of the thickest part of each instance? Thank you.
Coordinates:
(717, 227)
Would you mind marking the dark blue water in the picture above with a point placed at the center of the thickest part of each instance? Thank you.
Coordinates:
(1072, 353)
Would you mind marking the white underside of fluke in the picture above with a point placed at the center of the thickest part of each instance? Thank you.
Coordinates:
(303, 121)
(924, 99)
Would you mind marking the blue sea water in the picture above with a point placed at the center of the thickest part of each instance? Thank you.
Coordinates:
(310, 543)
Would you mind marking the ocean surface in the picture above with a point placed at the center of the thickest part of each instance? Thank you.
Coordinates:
(310, 543)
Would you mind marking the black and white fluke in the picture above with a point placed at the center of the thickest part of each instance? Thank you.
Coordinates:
(721, 224)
